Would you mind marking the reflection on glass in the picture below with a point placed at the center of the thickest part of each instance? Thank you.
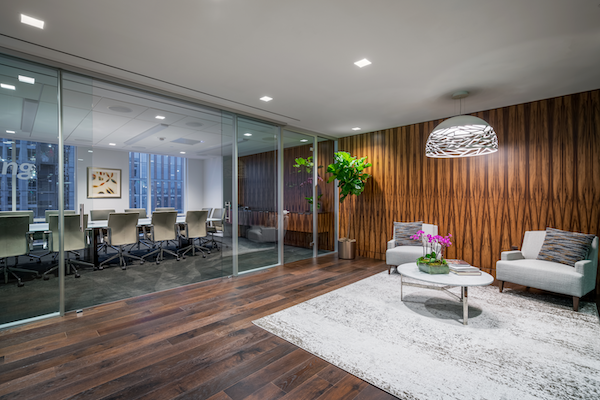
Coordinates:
(327, 198)
(28, 187)
(257, 194)
(299, 170)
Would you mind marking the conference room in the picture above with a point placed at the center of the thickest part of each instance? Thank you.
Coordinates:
(109, 192)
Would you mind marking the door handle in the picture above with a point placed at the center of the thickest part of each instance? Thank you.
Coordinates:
(81, 216)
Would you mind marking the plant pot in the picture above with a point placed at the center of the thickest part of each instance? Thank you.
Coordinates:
(347, 249)
(433, 269)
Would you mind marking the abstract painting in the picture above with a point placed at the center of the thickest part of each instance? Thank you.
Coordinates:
(104, 183)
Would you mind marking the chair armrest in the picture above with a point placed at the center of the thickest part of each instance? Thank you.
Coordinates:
(48, 240)
(109, 234)
(30, 240)
(391, 244)
(182, 226)
(585, 267)
(511, 255)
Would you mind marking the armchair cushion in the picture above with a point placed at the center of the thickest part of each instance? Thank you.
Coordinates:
(404, 230)
(565, 247)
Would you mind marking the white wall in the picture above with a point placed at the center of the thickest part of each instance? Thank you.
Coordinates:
(213, 183)
(105, 159)
(204, 180)
(194, 185)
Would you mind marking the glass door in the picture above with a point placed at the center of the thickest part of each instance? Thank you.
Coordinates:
(257, 194)
(301, 175)
(30, 170)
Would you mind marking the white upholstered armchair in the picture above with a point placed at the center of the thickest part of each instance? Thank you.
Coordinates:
(398, 254)
(524, 268)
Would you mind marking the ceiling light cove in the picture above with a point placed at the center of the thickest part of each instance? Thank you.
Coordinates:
(182, 152)
(160, 117)
(10, 132)
(304, 140)
(266, 98)
(247, 134)
(356, 128)
(362, 63)
(112, 144)
(26, 79)
(38, 23)
(7, 86)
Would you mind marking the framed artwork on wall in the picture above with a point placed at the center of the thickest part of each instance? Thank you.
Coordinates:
(103, 183)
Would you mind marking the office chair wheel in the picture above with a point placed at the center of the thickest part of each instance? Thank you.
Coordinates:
(100, 267)
(39, 261)
(77, 275)
(208, 252)
(142, 262)
(20, 284)
(177, 258)
(38, 276)
(182, 257)
(203, 255)
(157, 261)
(46, 277)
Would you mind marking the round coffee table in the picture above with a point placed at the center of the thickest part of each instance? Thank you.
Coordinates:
(443, 282)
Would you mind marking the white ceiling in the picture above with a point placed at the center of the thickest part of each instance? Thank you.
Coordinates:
(301, 52)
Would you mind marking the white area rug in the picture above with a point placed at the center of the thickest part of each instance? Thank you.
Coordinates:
(516, 346)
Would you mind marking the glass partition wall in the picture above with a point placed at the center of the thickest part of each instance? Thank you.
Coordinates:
(28, 187)
(100, 152)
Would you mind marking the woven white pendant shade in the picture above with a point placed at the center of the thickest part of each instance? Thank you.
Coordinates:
(461, 136)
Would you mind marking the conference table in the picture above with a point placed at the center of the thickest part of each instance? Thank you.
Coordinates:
(91, 252)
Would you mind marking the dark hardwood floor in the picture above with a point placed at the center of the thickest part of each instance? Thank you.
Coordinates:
(194, 342)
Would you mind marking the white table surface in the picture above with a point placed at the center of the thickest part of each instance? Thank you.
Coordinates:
(411, 270)
(43, 226)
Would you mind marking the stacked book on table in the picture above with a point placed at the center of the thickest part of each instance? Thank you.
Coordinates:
(461, 267)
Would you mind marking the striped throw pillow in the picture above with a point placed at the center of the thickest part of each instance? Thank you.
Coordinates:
(404, 230)
(565, 247)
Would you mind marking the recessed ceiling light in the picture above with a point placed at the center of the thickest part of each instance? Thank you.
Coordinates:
(182, 152)
(10, 132)
(159, 117)
(38, 23)
(266, 98)
(80, 159)
(304, 140)
(112, 144)
(247, 134)
(356, 128)
(26, 79)
(8, 142)
(362, 63)
(6, 86)
(90, 151)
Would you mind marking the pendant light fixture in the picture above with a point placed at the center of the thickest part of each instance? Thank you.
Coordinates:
(461, 136)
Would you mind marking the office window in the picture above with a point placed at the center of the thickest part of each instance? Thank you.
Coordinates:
(163, 174)
(33, 166)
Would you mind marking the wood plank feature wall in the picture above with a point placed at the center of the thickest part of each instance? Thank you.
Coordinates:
(546, 173)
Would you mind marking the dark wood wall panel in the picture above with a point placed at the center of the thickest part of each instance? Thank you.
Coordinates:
(546, 173)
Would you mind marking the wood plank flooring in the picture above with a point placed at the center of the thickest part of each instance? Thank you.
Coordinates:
(194, 342)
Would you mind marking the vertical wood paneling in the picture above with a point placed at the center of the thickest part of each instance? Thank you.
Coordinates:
(546, 173)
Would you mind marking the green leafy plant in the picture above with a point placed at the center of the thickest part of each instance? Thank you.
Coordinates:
(349, 171)
(307, 163)
(310, 200)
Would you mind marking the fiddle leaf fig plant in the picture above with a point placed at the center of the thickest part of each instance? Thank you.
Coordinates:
(349, 171)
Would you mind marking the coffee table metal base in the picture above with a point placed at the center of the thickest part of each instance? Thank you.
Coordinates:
(463, 298)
